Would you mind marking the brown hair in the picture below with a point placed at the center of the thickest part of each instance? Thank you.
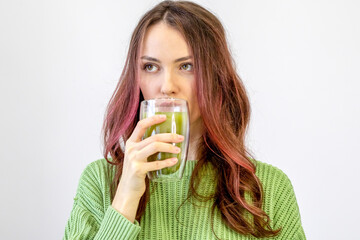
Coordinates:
(224, 108)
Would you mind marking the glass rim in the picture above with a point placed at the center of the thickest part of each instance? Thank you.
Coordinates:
(164, 98)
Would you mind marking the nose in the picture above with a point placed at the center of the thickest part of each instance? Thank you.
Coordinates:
(168, 84)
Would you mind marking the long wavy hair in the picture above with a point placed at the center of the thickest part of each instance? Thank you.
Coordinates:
(224, 107)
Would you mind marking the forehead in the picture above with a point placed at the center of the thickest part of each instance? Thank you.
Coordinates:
(161, 40)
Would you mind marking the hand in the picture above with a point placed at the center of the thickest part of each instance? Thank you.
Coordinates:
(132, 182)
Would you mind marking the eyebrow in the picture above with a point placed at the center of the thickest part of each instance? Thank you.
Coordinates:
(157, 60)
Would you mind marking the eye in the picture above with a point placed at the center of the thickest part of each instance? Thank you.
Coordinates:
(187, 67)
(150, 68)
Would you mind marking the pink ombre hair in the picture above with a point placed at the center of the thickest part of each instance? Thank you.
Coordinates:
(224, 107)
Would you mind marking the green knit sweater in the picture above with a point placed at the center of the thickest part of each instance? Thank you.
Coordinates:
(93, 217)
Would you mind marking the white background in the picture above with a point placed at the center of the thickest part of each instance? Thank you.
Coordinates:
(60, 62)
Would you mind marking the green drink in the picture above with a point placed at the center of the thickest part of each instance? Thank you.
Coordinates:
(169, 127)
(177, 121)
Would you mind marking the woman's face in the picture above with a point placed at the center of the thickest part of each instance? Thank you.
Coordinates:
(166, 68)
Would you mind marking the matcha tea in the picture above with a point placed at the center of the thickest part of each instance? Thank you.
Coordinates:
(176, 122)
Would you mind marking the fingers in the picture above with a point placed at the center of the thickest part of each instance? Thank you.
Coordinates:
(161, 137)
(155, 147)
(144, 124)
(137, 151)
(157, 165)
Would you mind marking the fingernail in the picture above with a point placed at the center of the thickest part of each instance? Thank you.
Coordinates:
(174, 159)
(162, 116)
(180, 137)
(177, 149)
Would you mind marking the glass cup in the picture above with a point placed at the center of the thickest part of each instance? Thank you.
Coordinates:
(178, 122)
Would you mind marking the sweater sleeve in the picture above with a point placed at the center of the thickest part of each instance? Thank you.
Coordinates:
(89, 219)
(286, 210)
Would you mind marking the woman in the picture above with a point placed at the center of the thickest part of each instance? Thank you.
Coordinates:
(179, 49)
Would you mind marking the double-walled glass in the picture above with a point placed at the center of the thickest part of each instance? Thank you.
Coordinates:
(178, 122)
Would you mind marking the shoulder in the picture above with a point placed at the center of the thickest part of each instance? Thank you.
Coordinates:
(268, 173)
(93, 186)
(276, 184)
(97, 168)
(92, 192)
(280, 201)
(96, 175)
(279, 194)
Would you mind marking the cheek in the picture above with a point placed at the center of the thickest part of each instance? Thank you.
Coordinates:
(148, 86)
(145, 88)
(194, 107)
(194, 111)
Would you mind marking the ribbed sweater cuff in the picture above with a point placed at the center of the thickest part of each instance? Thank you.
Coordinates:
(116, 226)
